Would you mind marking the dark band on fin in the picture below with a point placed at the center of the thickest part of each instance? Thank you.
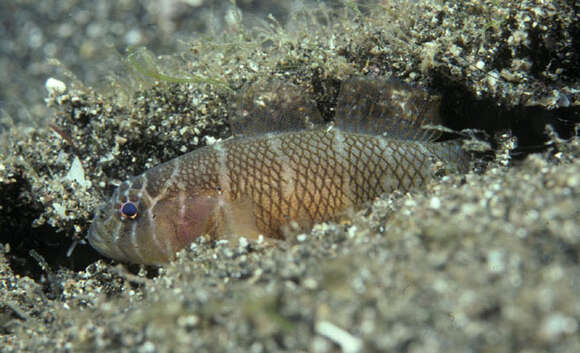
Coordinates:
(380, 107)
(272, 107)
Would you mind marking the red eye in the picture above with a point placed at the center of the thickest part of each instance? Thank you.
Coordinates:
(129, 210)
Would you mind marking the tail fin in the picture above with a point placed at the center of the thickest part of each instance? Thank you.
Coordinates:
(452, 154)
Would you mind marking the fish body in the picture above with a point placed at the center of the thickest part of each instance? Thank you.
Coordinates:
(273, 184)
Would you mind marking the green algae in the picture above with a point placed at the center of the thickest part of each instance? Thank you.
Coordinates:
(144, 63)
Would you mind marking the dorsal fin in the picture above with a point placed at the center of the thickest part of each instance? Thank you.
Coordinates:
(376, 106)
(271, 107)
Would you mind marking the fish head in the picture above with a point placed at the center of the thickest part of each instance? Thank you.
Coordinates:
(134, 226)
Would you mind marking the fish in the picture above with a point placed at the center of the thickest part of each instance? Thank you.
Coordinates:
(284, 170)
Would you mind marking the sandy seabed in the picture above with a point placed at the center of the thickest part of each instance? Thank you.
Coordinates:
(482, 262)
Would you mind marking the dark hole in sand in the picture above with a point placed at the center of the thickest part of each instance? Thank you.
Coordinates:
(462, 110)
(17, 231)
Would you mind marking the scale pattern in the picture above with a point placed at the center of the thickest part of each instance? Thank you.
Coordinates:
(279, 183)
(312, 176)
(260, 185)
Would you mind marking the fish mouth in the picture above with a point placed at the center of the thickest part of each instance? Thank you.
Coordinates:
(101, 239)
(96, 240)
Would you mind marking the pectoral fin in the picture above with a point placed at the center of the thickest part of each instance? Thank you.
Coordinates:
(180, 220)
(236, 219)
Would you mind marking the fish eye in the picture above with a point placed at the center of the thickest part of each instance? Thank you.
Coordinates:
(129, 210)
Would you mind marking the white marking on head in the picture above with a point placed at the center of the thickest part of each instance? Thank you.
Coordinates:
(174, 174)
(168, 183)
(181, 203)
(134, 235)
(134, 241)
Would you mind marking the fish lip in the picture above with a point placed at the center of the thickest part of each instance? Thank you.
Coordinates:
(96, 239)
(100, 241)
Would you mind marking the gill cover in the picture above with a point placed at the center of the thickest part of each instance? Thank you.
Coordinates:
(160, 228)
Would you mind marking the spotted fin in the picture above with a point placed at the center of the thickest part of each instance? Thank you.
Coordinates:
(381, 107)
(272, 107)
